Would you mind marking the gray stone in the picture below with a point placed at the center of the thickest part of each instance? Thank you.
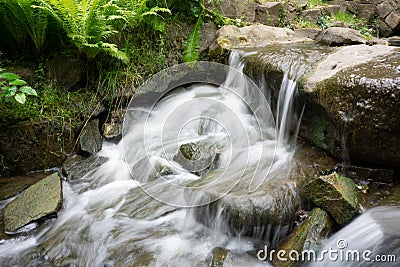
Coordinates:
(310, 15)
(330, 9)
(353, 105)
(71, 163)
(300, 3)
(336, 194)
(269, 13)
(78, 170)
(383, 9)
(207, 35)
(257, 35)
(394, 41)
(91, 140)
(241, 9)
(393, 20)
(38, 201)
(112, 130)
(337, 36)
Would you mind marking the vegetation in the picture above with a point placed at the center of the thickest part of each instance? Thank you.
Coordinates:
(11, 85)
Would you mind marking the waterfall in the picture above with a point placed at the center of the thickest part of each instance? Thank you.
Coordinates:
(141, 207)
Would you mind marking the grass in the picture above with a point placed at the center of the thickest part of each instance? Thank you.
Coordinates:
(353, 22)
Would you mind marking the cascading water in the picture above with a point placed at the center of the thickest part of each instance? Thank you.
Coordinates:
(110, 219)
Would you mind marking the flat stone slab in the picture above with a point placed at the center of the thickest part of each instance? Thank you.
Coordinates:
(40, 200)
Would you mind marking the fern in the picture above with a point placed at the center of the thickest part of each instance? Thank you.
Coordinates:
(192, 45)
(22, 20)
(89, 24)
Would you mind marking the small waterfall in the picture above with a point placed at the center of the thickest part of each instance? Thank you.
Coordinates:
(110, 219)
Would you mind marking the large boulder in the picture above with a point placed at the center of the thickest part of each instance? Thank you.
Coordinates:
(91, 140)
(337, 36)
(353, 105)
(251, 36)
(38, 201)
(336, 194)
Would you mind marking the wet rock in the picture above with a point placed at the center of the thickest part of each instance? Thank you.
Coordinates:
(38, 201)
(266, 213)
(316, 227)
(91, 140)
(76, 170)
(199, 157)
(35, 145)
(336, 194)
(8, 190)
(112, 128)
(251, 36)
(337, 36)
(394, 41)
(269, 13)
(218, 257)
(353, 105)
(367, 174)
(393, 199)
(71, 163)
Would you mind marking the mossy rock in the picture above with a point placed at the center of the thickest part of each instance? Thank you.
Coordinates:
(38, 201)
(316, 227)
(219, 256)
(336, 194)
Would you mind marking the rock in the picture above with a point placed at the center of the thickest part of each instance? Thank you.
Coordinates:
(337, 36)
(266, 213)
(354, 105)
(316, 227)
(218, 257)
(310, 15)
(198, 158)
(336, 194)
(269, 13)
(251, 36)
(71, 163)
(38, 201)
(207, 35)
(394, 41)
(66, 71)
(8, 190)
(112, 129)
(76, 170)
(35, 145)
(91, 140)
(393, 20)
(367, 174)
(330, 9)
(393, 199)
(308, 32)
(241, 9)
(300, 3)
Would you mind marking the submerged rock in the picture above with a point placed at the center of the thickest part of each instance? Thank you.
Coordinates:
(76, 170)
(338, 36)
(308, 235)
(91, 140)
(336, 194)
(199, 157)
(38, 201)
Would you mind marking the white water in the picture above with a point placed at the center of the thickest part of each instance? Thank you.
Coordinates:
(110, 219)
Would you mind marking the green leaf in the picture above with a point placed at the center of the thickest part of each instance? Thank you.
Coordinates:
(17, 82)
(191, 50)
(28, 90)
(13, 91)
(21, 98)
(9, 76)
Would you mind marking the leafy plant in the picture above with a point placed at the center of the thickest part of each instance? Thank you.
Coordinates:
(22, 20)
(315, 3)
(89, 24)
(192, 45)
(324, 21)
(352, 21)
(12, 85)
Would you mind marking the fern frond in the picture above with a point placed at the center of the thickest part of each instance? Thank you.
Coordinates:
(192, 45)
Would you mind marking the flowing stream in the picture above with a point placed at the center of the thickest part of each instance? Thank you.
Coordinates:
(142, 206)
